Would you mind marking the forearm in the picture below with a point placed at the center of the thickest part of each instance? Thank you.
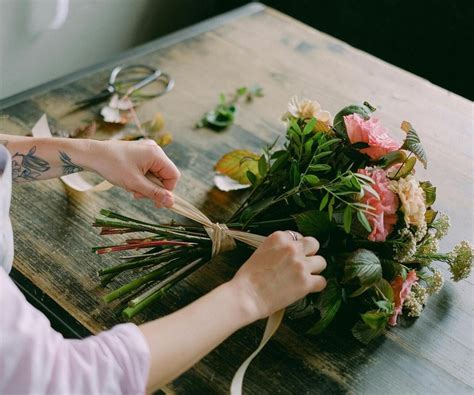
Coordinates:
(43, 158)
(181, 339)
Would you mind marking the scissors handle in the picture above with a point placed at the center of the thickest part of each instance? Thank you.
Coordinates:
(152, 77)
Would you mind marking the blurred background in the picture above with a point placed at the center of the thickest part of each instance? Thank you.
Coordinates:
(46, 39)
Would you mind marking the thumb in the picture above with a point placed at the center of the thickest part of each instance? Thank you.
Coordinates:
(161, 196)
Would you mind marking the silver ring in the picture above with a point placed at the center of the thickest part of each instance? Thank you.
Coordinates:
(293, 235)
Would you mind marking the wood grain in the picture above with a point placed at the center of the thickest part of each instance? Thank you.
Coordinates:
(54, 236)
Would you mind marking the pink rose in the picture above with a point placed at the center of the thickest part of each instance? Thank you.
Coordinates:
(401, 289)
(372, 133)
(384, 213)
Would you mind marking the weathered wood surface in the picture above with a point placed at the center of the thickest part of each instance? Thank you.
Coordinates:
(54, 236)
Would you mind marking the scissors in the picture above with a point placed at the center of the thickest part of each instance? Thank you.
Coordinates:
(128, 80)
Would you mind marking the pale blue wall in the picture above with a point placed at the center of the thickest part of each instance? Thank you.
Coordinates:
(31, 53)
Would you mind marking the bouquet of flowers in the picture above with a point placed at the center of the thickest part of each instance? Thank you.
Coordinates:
(344, 181)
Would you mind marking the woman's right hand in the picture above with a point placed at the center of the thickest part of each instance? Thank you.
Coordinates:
(281, 271)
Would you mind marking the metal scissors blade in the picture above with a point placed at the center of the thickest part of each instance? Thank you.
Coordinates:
(101, 96)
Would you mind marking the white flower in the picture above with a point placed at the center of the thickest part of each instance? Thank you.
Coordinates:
(111, 114)
(120, 104)
(441, 225)
(306, 109)
(413, 200)
(435, 282)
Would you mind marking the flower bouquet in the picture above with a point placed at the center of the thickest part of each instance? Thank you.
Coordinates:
(344, 181)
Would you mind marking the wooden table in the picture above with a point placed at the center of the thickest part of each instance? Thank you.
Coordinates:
(254, 44)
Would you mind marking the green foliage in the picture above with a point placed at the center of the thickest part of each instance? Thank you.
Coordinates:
(223, 115)
(430, 192)
(313, 223)
(413, 144)
(329, 302)
(362, 265)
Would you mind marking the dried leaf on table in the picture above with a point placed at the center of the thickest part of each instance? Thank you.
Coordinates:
(236, 164)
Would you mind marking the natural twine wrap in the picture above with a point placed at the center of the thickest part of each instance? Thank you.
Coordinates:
(223, 239)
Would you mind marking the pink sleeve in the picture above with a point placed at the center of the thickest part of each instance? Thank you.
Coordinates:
(36, 359)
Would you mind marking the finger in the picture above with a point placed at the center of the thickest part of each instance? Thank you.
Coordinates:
(310, 245)
(316, 264)
(149, 189)
(165, 170)
(138, 195)
(318, 283)
(294, 236)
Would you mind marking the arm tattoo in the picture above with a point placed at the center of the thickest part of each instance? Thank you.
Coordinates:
(28, 166)
(69, 166)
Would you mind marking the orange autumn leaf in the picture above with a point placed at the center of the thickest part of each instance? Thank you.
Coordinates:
(235, 165)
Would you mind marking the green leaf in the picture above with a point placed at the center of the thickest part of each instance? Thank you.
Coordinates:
(328, 304)
(295, 175)
(355, 183)
(324, 202)
(364, 333)
(328, 143)
(280, 161)
(347, 219)
(364, 111)
(430, 192)
(241, 91)
(313, 223)
(331, 207)
(406, 168)
(299, 201)
(364, 266)
(384, 287)
(320, 167)
(322, 155)
(392, 158)
(251, 177)
(413, 144)
(375, 320)
(311, 179)
(309, 126)
(385, 305)
(262, 166)
(307, 146)
(294, 126)
(430, 215)
(363, 221)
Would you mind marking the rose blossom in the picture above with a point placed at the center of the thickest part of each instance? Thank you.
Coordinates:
(371, 132)
(307, 109)
(383, 215)
(412, 198)
(401, 289)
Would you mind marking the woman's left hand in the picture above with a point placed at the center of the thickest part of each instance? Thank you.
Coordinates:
(125, 164)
